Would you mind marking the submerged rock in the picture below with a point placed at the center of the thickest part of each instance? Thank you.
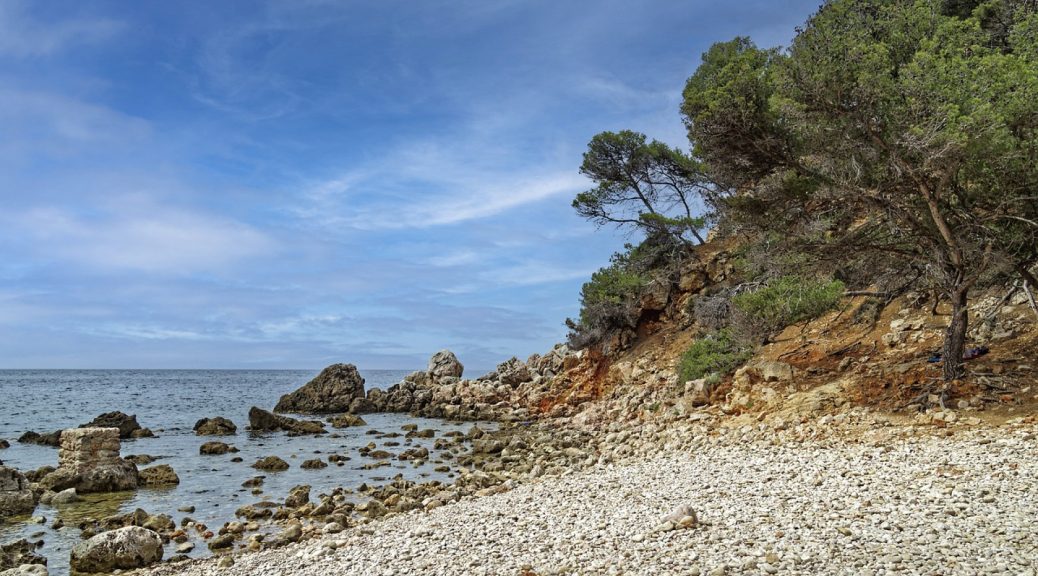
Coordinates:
(16, 496)
(218, 426)
(161, 475)
(52, 439)
(262, 421)
(214, 449)
(271, 463)
(121, 549)
(347, 421)
(333, 390)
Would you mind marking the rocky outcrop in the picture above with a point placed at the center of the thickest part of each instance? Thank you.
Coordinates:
(122, 549)
(512, 392)
(262, 421)
(162, 475)
(126, 423)
(218, 426)
(16, 496)
(335, 389)
(89, 462)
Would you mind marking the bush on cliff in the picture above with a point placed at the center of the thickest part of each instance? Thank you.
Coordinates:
(717, 354)
(784, 301)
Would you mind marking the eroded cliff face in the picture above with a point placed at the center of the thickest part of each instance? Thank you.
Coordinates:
(856, 355)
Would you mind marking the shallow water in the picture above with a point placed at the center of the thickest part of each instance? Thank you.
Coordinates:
(170, 402)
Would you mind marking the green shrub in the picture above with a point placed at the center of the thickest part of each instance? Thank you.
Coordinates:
(784, 301)
(712, 357)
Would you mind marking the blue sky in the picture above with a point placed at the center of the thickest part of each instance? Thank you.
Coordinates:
(294, 183)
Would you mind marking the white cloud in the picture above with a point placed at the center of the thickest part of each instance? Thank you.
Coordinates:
(141, 237)
(21, 35)
(49, 118)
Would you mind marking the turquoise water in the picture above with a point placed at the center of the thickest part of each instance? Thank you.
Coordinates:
(170, 402)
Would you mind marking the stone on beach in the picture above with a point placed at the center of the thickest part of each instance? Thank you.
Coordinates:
(121, 549)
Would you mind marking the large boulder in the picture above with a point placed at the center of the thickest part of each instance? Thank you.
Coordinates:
(16, 496)
(89, 462)
(122, 549)
(126, 423)
(444, 364)
(218, 426)
(333, 390)
(262, 421)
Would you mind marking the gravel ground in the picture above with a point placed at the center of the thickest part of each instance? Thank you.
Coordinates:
(926, 505)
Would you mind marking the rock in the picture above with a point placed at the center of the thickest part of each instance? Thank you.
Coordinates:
(313, 464)
(271, 464)
(253, 513)
(222, 542)
(260, 420)
(218, 426)
(16, 496)
(513, 372)
(347, 421)
(213, 449)
(52, 439)
(332, 528)
(65, 497)
(333, 390)
(162, 475)
(772, 371)
(298, 496)
(27, 570)
(185, 547)
(681, 513)
(444, 364)
(140, 459)
(89, 462)
(19, 553)
(4, 444)
(226, 562)
(127, 425)
(121, 549)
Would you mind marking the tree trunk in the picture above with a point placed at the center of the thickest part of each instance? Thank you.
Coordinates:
(955, 336)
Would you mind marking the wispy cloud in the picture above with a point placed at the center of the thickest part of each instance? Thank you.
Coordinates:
(140, 236)
(21, 35)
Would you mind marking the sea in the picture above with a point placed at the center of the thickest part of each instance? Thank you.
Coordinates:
(169, 402)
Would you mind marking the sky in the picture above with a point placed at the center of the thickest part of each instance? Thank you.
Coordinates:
(293, 183)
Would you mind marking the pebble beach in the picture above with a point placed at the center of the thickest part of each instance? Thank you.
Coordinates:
(910, 504)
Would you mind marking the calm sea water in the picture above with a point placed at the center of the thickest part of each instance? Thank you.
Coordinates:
(170, 402)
